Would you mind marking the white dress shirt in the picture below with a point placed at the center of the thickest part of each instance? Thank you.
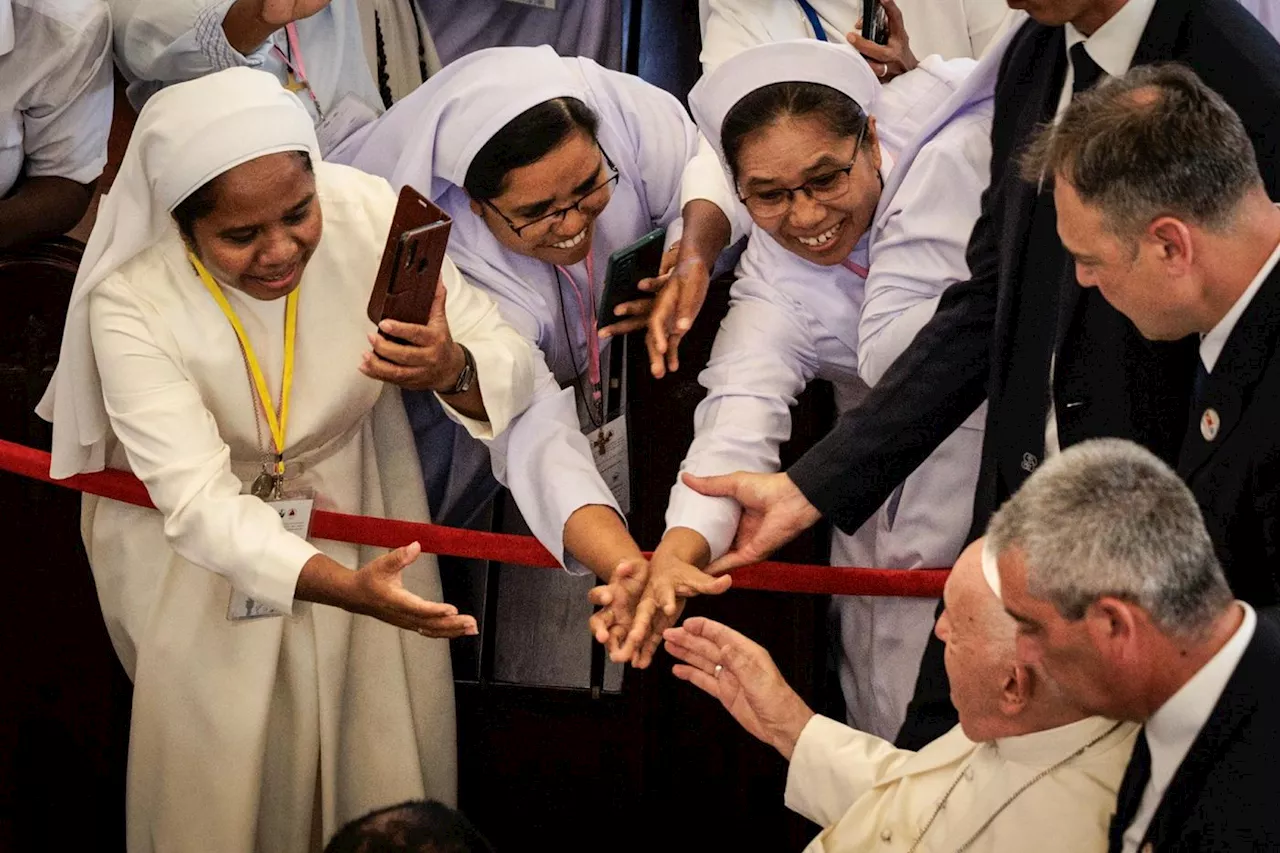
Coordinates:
(1212, 343)
(1112, 46)
(869, 794)
(1174, 727)
(55, 89)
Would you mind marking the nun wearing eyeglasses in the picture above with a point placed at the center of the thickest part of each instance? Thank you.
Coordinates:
(216, 347)
(836, 227)
(548, 165)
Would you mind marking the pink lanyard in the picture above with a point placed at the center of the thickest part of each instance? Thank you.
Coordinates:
(857, 270)
(295, 64)
(587, 311)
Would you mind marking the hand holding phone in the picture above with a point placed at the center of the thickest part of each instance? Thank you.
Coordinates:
(405, 286)
(882, 40)
(627, 268)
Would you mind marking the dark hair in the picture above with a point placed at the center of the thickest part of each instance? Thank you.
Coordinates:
(1152, 143)
(415, 826)
(200, 203)
(526, 139)
(762, 107)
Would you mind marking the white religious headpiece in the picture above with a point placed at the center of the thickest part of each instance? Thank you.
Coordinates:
(799, 61)
(443, 124)
(990, 570)
(7, 33)
(186, 135)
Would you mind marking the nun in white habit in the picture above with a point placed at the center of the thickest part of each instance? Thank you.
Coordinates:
(547, 166)
(266, 733)
(810, 270)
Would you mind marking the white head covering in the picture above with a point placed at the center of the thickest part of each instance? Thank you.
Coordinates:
(441, 126)
(6, 26)
(186, 135)
(798, 61)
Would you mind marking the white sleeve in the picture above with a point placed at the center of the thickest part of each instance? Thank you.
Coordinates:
(734, 25)
(919, 251)
(505, 362)
(546, 462)
(173, 446)
(168, 41)
(704, 177)
(762, 358)
(833, 765)
(66, 116)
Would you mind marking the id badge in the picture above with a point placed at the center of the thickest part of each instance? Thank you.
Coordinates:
(341, 120)
(295, 514)
(609, 450)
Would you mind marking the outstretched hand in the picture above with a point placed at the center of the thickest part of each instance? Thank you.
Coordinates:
(774, 511)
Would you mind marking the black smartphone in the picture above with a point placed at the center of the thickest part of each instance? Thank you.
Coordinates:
(875, 22)
(627, 268)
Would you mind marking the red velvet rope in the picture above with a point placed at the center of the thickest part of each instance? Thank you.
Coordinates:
(524, 550)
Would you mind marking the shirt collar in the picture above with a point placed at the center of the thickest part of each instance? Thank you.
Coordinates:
(1042, 749)
(1174, 726)
(1211, 344)
(6, 26)
(1114, 43)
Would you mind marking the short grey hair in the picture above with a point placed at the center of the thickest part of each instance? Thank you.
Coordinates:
(1155, 142)
(1107, 518)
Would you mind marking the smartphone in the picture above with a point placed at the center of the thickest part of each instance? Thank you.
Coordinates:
(411, 261)
(627, 268)
(875, 22)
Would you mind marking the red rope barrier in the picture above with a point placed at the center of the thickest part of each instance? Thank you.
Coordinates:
(524, 550)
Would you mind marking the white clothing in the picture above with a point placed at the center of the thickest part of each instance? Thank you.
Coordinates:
(55, 90)
(160, 42)
(953, 29)
(870, 795)
(429, 139)
(1266, 11)
(259, 720)
(1174, 727)
(1112, 47)
(791, 321)
(1212, 343)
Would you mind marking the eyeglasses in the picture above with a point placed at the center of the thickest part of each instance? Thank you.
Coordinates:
(544, 223)
(828, 186)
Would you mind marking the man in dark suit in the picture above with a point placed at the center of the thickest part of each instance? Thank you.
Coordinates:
(1103, 560)
(1160, 204)
(1056, 362)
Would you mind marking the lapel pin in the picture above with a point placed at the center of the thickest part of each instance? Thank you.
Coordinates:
(1209, 424)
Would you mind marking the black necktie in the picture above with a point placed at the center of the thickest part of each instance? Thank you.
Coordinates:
(1200, 385)
(1136, 777)
(1085, 69)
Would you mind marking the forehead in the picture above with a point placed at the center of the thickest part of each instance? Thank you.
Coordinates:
(263, 185)
(558, 172)
(790, 142)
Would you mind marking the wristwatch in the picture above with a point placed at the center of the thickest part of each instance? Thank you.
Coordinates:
(465, 376)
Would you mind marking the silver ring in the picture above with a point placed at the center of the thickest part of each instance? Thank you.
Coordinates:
(719, 669)
(884, 69)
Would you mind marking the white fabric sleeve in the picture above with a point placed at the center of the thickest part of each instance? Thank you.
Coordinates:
(833, 765)
(704, 177)
(763, 357)
(504, 360)
(66, 116)
(919, 251)
(173, 446)
(546, 462)
(168, 41)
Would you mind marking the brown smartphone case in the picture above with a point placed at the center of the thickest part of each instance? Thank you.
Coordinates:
(411, 261)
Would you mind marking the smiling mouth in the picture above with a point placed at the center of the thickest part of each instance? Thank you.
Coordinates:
(822, 241)
(275, 282)
(573, 242)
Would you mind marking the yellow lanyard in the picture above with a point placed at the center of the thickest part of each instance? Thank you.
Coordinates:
(277, 424)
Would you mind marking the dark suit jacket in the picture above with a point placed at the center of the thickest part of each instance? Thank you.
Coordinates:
(1235, 474)
(1108, 380)
(1225, 796)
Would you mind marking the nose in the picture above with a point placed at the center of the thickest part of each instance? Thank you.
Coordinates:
(805, 212)
(942, 628)
(573, 221)
(278, 248)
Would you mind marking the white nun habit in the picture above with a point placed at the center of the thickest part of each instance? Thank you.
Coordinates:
(792, 321)
(266, 734)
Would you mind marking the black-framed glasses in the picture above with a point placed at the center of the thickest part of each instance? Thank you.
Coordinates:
(546, 220)
(828, 186)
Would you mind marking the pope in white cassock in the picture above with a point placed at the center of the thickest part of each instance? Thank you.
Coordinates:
(216, 343)
(1022, 771)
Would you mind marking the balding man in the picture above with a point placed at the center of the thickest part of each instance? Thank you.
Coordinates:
(1023, 770)
(1105, 563)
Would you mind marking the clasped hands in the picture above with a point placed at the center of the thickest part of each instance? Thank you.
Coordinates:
(645, 598)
